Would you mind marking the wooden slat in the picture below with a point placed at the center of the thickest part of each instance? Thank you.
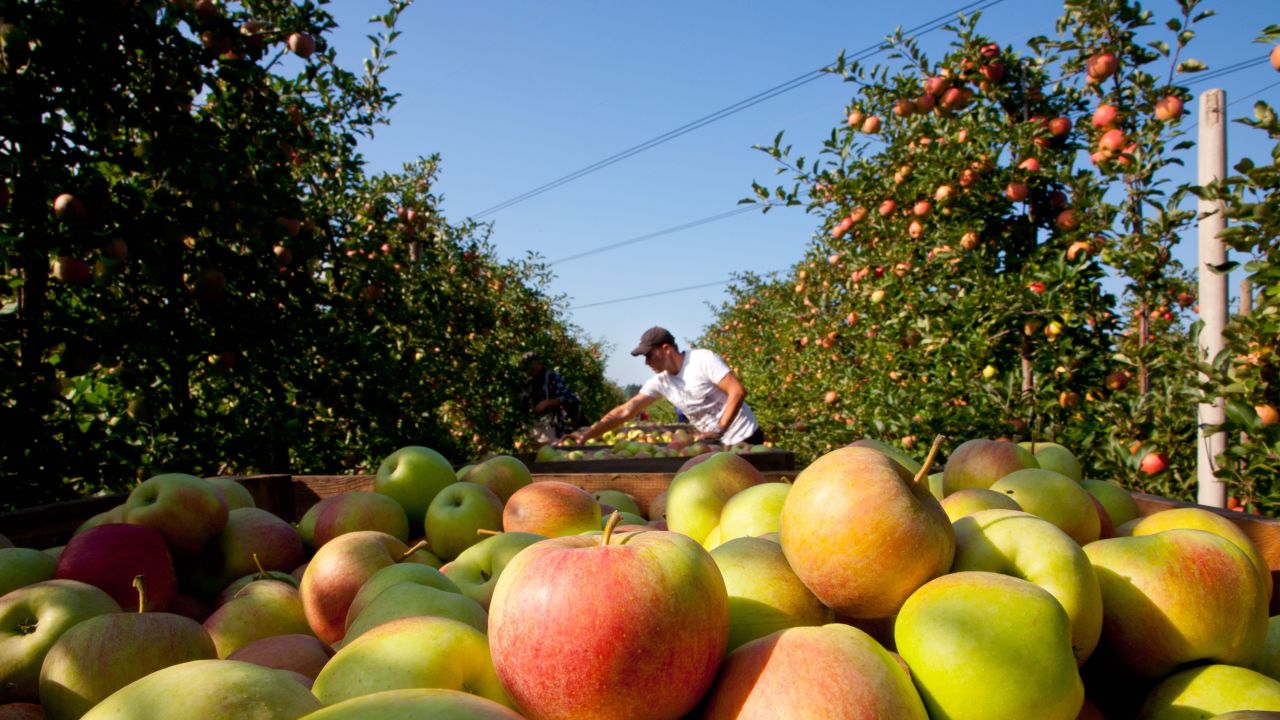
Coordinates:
(46, 526)
(311, 489)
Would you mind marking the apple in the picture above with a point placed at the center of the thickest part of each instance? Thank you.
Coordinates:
(21, 711)
(1101, 66)
(1055, 457)
(971, 500)
(32, 618)
(456, 513)
(413, 600)
(185, 509)
(1154, 463)
(979, 463)
(304, 654)
(233, 589)
(254, 541)
(563, 650)
(1175, 597)
(336, 573)
(477, 569)
(753, 511)
(551, 508)
(1105, 116)
(357, 510)
(394, 575)
(1200, 519)
(620, 500)
(209, 690)
(1024, 546)
(100, 655)
(1275, 57)
(263, 608)
(302, 44)
(413, 475)
(966, 633)
(502, 474)
(764, 593)
(232, 492)
(862, 533)
(417, 703)
(907, 462)
(412, 652)
(1118, 503)
(833, 671)
(1056, 498)
(697, 495)
(20, 567)
(111, 556)
(1016, 191)
(114, 515)
(1211, 690)
(871, 125)
(1268, 662)
(1168, 108)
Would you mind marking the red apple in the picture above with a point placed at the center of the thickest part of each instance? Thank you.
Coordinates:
(1112, 141)
(1059, 126)
(303, 654)
(551, 508)
(68, 207)
(302, 44)
(1016, 191)
(185, 509)
(1275, 57)
(1105, 116)
(335, 574)
(111, 556)
(1154, 463)
(1168, 108)
(871, 125)
(564, 651)
(1101, 66)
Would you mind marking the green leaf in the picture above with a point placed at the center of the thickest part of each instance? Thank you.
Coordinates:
(1191, 66)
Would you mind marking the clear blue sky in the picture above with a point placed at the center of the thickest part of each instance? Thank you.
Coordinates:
(514, 95)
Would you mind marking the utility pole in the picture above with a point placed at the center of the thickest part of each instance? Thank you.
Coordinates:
(1213, 289)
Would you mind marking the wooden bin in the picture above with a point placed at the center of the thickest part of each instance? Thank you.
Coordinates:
(770, 461)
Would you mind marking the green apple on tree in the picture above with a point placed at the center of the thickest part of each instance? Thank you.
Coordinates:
(457, 513)
(413, 475)
(831, 671)
(985, 646)
(764, 593)
(558, 650)
(210, 690)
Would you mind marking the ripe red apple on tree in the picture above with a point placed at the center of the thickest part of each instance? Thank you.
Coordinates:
(1168, 108)
(1101, 66)
(1016, 191)
(562, 651)
(1105, 116)
(855, 118)
(871, 125)
(1154, 463)
(302, 44)
(68, 207)
(1275, 57)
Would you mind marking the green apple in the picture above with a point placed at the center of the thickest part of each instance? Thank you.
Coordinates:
(620, 500)
(457, 513)
(980, 462)
(985, 646)
(413, 475)
(410, 600)
(764, 593)
(477, 569)
(20, 567)
(209, 690)
(394, 575)
(1118, 502)
(552, 509)
(1268, 662)
(971, 500)
(696, 496)
(1024, 546)
(1176, 597)
(262, 608)
(232, 492)
(1055, 457)
(32, 618)
(230, 592)
(753, 511)
(907, 462)
(502, 474)
(595, 626)
(432, 703)
(1201, 519)
(936, 487)
(100, 655)
(1211, 690)
(832, 671)
(863, 534)
(412, 652)
(185, 509)
(1056, 498)
(106, 517)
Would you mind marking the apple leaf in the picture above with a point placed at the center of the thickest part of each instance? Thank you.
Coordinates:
(1191, 65)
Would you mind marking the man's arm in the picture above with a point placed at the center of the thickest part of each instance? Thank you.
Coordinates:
(736, 393)
(614, 417)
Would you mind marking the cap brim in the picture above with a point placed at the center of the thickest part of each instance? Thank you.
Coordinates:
(641, 350)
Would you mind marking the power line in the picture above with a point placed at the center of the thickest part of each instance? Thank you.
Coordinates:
(658, 233)
(1227, 70)
(1237, 101)
(733, 109)
(652, 294)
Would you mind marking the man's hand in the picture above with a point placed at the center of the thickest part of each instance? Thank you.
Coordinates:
(545, 405)
(573, 438)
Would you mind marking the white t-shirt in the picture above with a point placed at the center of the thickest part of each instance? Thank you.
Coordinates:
(694, 390)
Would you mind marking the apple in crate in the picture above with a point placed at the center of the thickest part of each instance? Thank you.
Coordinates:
(764, 593)
(336, 573)
(502, 474)
(352, 511)
(417, 703)
(111, 556)
(981, 462)
(261, 609)
(1194, 518)
(32, 619)
(477, 569)
(185, 509)
(457, 513)
(595, 626)
(698, 493)
(20, 567)
(395, 575)
(1056, 498)
(209, 690)
(303, 654)
(1211, 690)
(413, 475)
(551, 508)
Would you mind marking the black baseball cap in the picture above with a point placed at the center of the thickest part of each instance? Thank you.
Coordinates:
(652, 338)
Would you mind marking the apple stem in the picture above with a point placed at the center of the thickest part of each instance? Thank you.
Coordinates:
(420, 545)
(614, 518)
(140, 584)
(262, 573)
(487, 532)
(923, 475)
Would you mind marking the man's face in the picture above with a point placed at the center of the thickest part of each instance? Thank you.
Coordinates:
(658, 359)
(534, 368)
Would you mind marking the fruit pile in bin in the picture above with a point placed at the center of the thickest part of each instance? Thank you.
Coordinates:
(873, 585)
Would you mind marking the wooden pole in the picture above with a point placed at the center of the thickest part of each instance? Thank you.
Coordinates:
(1213, 288)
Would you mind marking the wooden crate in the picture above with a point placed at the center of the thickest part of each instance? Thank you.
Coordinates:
(771, 461)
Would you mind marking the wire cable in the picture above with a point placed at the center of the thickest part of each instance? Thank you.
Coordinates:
(658, 233)
(652, 294)
(1226, 70)
(789, 85)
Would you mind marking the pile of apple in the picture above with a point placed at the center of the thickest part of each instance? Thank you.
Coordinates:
(1003, 586)
(639, 444)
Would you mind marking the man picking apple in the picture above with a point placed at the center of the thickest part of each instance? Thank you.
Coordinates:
(696, 381)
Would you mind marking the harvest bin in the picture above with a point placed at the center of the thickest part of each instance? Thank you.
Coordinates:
(766, 461)
(289, 496)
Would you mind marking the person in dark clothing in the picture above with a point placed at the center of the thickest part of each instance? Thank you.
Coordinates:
(549, 398)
